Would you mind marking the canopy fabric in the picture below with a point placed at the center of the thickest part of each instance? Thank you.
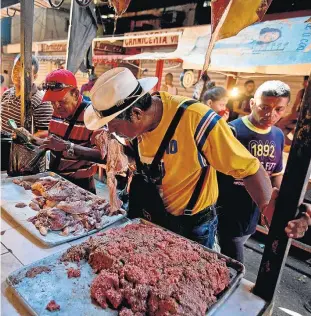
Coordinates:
(271, 47)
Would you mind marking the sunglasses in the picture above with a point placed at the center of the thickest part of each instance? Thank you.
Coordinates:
(56, 86)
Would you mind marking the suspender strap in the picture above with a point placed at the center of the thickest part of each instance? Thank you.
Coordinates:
(169, 133)
(72, 122)
(196, 193)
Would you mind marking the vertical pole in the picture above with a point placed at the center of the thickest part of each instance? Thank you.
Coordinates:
(291, 195)
(159, 72)
(69, 33)
(231, 82)
(27, 12)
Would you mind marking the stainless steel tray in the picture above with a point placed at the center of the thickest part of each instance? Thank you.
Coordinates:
(73, 295)
(12, 194)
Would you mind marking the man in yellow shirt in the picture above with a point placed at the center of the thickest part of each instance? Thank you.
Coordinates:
(180, 190)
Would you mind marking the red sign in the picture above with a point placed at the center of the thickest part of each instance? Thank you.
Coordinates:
(152, 40)
(103, 47)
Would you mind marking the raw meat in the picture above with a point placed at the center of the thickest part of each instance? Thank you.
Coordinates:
(145, 270)
(64, 207)
(25, 184)
(37, 270)
(44, 184)
(20, 205)
(73, 273)
(117, 163)
(52, 306)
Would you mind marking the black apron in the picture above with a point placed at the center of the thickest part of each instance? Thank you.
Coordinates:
(144, 197)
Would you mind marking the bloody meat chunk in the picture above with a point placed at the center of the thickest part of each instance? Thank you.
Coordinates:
(144, 270)
(37, 270)
(20, 205)
(53, 306)
(73, 273)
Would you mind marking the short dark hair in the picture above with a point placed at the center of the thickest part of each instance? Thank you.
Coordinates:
(214, 93)
(2, 79)
(144, 103)
(34, 62)
(5, 71)
(248, 81)
(305, 78)
(273, 88)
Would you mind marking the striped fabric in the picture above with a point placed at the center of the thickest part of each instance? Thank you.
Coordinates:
(11, 109)
(205, 126)
(80, 135)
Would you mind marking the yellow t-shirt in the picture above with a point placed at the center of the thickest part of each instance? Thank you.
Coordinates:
(201, 138)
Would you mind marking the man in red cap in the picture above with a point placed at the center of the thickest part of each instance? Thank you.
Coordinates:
(73, 151)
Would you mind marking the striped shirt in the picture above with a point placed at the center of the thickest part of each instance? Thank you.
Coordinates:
(11, 109)
(80, 135)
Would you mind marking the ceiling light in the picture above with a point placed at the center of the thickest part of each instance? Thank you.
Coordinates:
(104, 16)
(111, 16)
(206, 4)
(234, 92)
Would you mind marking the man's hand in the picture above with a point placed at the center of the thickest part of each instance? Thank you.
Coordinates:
(298, 227)
(54, 143)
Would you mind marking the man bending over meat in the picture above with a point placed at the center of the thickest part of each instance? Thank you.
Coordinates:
(73, 152)
(179, 190)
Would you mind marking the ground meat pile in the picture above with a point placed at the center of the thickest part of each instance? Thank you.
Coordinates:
(64, 207)
(52, 306)
(117, 163)
(73, 273)
(144, 270)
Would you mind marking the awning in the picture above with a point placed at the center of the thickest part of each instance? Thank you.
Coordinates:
(185, 45)
(271, 47)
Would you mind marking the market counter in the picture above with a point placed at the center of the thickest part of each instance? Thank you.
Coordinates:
(18, 249)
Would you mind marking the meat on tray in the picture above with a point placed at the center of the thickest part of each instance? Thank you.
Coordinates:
(52, 306)
(33, 272)
(20, 205)
(62, 206)
(117, 163)
(145, 270)
(73, 273)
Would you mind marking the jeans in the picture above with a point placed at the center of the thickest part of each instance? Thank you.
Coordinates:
(200, 228)
(233, 247)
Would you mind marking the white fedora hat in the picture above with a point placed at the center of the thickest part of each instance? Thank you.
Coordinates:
(114, 92)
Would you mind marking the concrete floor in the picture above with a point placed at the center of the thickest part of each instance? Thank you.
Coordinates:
(295, 286)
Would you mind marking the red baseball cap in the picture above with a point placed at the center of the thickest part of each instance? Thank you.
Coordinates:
(59, 76)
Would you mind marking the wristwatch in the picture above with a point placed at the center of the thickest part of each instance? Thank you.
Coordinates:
(70, 149)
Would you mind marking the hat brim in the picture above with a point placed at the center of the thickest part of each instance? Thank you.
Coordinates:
(54, 96)
(93, 121)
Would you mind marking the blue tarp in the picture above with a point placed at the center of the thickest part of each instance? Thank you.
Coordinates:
(268, 47)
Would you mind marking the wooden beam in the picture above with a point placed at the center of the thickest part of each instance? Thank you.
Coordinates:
(27, 13)
(291, 195)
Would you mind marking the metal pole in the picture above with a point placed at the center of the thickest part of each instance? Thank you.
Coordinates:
(291, 195)
(27, 13)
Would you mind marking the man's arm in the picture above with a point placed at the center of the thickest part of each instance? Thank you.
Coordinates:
(276, 181)
(41, 134)
(84, 153)
(259, 188)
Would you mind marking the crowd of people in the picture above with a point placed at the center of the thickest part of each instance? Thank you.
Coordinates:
(199, 172)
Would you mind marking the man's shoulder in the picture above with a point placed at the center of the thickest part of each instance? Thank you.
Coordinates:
(277, 132)
(8, 93)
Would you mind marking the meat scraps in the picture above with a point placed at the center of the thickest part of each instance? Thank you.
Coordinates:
(20, 205)
(52, 306)
(25, 184)
(117, 163)
(73, 273)
(37, 270)
(143, 269)
(62, 206)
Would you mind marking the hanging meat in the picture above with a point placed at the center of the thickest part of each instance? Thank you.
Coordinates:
(120, 6)
(117, 163)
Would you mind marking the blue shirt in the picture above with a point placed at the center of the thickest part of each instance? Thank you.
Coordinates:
(238, 214)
